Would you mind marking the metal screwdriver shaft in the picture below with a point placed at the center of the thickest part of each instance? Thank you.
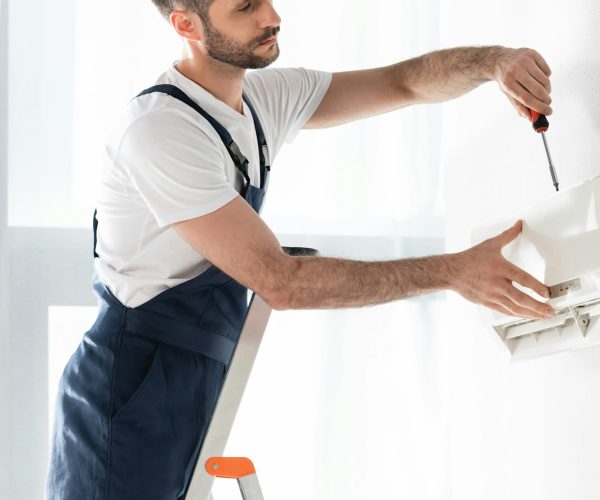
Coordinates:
(540, 125)
(552, 171)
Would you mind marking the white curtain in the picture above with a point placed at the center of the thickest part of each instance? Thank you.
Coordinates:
(342, 404)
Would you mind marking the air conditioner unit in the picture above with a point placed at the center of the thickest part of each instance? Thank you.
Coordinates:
(560, 246)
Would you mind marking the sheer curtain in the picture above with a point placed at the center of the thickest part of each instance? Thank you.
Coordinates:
(342, 404)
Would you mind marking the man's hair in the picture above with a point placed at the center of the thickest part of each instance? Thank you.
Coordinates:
(200, 7)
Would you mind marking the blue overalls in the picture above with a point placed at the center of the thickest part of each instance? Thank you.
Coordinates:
(135, 399)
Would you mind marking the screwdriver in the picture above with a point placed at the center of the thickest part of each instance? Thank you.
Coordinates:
(540, 125)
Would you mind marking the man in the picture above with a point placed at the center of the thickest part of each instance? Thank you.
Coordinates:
(179, 238)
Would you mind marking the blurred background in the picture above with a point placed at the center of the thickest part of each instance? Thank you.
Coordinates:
(407, 400)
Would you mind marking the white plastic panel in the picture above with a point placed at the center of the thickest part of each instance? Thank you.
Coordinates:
(559, 246)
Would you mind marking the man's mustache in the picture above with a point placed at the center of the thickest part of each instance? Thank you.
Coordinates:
(270, 33)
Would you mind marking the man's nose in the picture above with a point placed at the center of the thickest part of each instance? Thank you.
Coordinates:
(269, 16)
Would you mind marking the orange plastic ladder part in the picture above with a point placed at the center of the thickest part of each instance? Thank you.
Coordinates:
(229, 467)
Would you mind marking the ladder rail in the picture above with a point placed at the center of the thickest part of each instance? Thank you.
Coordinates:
(231, 395)
(250, 487)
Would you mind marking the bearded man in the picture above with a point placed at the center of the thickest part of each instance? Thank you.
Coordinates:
(179, 240)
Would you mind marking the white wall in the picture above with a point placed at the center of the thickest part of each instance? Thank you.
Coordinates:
(520, 431)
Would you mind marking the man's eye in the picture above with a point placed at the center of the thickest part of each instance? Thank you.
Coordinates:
(246, 6)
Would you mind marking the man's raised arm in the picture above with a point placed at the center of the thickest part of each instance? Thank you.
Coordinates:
(522, 74)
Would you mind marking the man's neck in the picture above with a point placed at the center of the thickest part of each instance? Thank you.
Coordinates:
(223, 81)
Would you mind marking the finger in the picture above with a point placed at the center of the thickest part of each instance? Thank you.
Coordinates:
(534, 87)
(521, 110)
(531, 100)
(524, 301)
(498, 307)
(516, 310)
(539, 75)
(541, 63)
(520, 93)
(510, 234)
(525, 279)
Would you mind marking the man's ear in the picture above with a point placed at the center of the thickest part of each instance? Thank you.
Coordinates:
(187, 25)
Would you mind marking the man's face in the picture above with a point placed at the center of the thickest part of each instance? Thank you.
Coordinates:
(242, 33)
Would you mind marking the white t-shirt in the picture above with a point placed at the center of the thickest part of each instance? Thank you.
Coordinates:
(165, 163)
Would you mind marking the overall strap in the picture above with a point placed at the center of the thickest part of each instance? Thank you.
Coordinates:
(240, 161)
(179, 334)
(263, 149)
(95, 232)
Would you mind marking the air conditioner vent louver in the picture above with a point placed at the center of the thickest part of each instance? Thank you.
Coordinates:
(580, 317)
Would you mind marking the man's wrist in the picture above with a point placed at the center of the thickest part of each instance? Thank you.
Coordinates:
(452, 268)
(490, 60)
(436, 272)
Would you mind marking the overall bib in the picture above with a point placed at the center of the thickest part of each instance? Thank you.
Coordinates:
(135, 399)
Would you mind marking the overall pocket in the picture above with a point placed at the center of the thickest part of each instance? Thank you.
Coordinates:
(142, 439)
(137, 364)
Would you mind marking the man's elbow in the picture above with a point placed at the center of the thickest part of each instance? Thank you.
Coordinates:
(278, 302)
(279, 297)
(280, 291)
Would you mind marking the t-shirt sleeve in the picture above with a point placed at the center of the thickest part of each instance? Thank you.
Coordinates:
(288, 96)
(175, 166)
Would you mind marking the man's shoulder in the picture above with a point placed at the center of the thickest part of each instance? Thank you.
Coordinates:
(274, 75)
(155, 105)
(284, 82)
(160, 112)
(156, 121)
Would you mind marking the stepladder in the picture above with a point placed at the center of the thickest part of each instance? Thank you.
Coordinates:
(211, 463)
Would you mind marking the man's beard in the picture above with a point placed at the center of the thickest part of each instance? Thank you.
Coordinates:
(229, 51)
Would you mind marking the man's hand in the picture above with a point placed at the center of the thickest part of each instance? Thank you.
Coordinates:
(485, 277)
(524, 76)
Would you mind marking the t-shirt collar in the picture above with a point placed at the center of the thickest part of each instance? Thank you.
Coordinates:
(201, 95)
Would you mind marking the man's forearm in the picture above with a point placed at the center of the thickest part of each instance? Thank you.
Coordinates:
(446, 74)
(328, 283)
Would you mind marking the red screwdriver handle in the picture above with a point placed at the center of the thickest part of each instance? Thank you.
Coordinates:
(540, 122)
